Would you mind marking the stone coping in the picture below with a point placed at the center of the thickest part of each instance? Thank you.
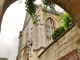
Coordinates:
(57, 39)
(39, 48)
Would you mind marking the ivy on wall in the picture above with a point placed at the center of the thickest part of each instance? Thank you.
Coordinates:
(57, 32)
(31, 8)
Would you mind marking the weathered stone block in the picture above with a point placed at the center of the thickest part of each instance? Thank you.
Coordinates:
(77, 17)
(68, 33)
(62, 53)
(78, 2)
(74, 28)
(78, 7)
(74, 46)
(60, 43)
(69, 6)
(74, 9)
(69, 42)
(77, 31)
(72, 34)
(63, 47)
(64, 41)
(73, 1)
(64, 1)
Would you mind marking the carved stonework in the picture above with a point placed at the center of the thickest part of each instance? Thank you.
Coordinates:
(27, 57)
(49, 28)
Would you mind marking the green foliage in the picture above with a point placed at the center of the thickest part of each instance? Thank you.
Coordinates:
(49, 4)
(57, 32)
(3, 59)
(66, 20)
(31, 9)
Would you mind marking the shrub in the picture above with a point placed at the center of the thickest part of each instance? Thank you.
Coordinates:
(66, 20)
(57, 32)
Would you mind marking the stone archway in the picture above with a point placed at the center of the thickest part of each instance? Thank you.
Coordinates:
(72, 7)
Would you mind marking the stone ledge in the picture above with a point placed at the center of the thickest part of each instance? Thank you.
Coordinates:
(39, 48)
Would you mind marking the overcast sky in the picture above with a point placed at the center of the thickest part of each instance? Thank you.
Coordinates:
(11, 25)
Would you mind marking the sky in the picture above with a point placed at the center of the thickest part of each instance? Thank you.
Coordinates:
(12, 23)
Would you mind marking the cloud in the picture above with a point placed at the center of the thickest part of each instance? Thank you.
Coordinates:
(9, 50)
(11, 25)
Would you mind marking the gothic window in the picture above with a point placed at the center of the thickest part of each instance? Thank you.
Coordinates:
(49, 26)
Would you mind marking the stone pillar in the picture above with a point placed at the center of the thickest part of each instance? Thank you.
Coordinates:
(40, 29)
(20, 46)
(35, 43)
(1, 7)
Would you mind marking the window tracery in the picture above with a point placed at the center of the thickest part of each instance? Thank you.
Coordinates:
(50, 27)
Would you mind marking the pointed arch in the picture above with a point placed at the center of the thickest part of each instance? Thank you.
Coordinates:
(50, 24)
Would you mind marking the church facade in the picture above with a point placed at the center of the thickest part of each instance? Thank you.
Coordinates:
(34, 39)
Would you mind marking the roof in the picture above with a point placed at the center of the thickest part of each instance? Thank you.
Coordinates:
(48, 10)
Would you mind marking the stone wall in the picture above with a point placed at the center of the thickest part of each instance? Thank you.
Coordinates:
(69, 41)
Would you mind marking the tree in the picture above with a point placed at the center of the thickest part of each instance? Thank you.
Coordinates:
(66, 20)
(3, 58)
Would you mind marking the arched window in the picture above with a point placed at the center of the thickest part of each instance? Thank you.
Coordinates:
(49, 27)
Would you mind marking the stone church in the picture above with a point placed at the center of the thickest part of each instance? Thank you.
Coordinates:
(35, 42)
(34, 39)
(67, 46)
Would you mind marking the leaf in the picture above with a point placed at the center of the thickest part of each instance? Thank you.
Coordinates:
(66, 20)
